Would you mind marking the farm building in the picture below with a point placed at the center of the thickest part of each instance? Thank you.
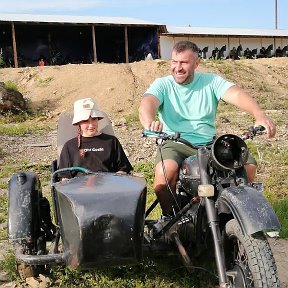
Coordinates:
(27, 39)
(31, 40)
(233, 42)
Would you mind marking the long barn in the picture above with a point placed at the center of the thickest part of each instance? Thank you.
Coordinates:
(31, 40)
(228, 39)
(26, 39)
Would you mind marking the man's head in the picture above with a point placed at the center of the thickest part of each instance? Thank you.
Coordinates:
(185, 59)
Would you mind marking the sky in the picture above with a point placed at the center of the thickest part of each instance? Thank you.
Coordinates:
(251, 14)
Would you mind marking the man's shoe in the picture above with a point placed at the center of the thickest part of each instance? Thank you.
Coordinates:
(160, 224)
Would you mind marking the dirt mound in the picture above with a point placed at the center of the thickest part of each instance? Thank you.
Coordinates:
(118, 88)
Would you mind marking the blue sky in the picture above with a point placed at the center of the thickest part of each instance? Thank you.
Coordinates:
(254, 14)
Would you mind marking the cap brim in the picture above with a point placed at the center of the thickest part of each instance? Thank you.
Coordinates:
(85, 114)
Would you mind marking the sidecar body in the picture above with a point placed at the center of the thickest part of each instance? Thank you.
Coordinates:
(99, 217)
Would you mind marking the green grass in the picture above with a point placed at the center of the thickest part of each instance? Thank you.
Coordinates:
(9, 85)
(44, 82)
(161, 273)
(147, 170)
(21, 125)
(8, 264)
(281, 208)
(3, 215)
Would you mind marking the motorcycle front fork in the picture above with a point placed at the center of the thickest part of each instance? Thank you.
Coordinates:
(213, 223)
(203, 155)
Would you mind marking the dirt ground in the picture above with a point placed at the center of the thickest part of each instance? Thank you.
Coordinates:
(117, 89)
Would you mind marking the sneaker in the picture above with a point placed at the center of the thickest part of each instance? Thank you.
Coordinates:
(160, 224)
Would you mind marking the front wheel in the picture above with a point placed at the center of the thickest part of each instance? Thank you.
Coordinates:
(249, 259)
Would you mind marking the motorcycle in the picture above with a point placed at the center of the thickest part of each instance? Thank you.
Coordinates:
(218, 207)
(100, 218)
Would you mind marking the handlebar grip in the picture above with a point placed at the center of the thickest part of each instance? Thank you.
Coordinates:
(70, 169)
(259, 128)
(149, 133)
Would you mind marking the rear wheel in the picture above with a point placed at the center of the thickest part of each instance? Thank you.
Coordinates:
(249, 259)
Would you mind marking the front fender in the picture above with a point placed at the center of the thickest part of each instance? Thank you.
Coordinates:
(250, 208)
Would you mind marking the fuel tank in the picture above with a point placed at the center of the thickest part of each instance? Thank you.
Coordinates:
(101, 218)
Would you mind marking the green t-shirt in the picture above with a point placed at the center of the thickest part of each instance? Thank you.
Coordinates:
(190, 109)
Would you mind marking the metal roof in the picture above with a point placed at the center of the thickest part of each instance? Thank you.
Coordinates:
(177, 30)
(74, 19)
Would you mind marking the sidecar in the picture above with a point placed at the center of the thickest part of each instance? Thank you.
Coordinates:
(98, 217)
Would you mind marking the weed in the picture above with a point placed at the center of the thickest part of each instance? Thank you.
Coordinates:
(23, 128)
(281, 209)
(132, 118)
(44, 82)
(9, 85)
(8, 264)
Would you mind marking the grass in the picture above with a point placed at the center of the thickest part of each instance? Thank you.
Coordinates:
(44, 82)
(9, 85)
(22, 124)
(281, 208)
(160, 272)
(8, 264)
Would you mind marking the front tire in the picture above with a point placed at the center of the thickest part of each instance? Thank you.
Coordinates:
(249, 259)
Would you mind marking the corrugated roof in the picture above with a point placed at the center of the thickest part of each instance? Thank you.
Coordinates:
(176, 30)
(74, 19)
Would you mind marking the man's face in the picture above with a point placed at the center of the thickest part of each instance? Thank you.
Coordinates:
(183, 65)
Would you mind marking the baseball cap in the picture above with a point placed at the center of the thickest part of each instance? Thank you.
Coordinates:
(85, 108)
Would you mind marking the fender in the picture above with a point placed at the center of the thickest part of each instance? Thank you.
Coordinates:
(24, 195)
(250, 208)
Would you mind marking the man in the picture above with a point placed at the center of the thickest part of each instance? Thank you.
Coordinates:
(187, 103)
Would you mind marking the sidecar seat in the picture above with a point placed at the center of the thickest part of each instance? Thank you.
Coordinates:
(67, 131)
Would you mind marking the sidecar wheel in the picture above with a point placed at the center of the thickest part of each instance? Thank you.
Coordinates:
(249, 259)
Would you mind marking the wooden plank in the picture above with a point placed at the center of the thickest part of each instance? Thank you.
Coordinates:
(94, 44)
(14, 46)
(126, 45)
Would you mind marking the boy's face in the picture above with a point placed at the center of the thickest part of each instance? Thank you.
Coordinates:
(89, 127)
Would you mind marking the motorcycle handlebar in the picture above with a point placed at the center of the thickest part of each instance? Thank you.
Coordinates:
(252, 131)
(250, 134)
(164, 136)
(160, 135)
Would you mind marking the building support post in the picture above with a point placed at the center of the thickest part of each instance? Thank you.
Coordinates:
(126, 45)
(94, 44)
(14, 46)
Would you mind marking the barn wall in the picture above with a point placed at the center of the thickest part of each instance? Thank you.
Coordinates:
(167, 42)
(60, 44)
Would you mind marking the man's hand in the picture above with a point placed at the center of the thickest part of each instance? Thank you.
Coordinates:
(155, 126)
(267, 122)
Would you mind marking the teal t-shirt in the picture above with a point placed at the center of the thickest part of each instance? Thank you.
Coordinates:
(190, 109)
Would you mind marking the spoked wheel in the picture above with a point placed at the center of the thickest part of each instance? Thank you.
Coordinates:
(249, 259)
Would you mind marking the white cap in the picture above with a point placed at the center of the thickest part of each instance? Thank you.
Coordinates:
(85, 108)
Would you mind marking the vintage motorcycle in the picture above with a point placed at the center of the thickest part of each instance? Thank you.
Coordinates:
(100, 218)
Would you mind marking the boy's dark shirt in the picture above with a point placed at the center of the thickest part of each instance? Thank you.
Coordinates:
(102, 153)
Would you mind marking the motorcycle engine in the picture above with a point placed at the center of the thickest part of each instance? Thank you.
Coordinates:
(189, 175)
